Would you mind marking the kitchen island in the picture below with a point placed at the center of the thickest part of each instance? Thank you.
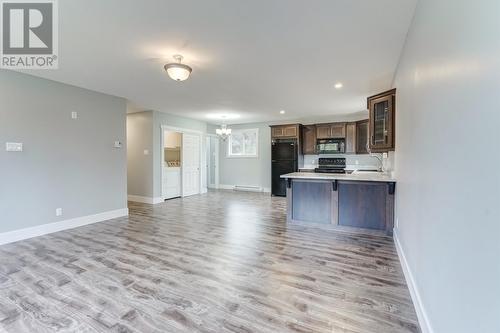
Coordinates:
(359, 200)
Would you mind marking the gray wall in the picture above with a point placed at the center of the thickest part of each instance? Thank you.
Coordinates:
(448, 194)
(140, 166)
(66, 163)
(247, 170)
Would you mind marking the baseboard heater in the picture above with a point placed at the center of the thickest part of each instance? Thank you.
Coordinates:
(248, 188)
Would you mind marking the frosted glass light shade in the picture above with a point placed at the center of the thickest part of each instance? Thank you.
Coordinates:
(178, 72)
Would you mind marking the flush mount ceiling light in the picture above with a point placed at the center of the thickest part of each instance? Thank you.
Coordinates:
(176, 70)
(282, 112)
(338, 85)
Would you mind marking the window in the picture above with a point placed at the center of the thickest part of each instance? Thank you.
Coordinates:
(243, 143)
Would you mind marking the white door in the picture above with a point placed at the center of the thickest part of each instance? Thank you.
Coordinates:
(190, 164)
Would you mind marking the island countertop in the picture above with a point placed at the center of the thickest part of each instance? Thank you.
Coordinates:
(362, 200)
(361, 176)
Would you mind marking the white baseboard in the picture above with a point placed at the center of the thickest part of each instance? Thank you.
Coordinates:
(147, 200)
(423, 319)
(158, 200)
(48, 228)
(232, 187)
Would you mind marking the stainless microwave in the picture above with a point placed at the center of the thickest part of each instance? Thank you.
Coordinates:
(331, 146)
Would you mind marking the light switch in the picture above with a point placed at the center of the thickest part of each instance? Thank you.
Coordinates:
(118, 144)
(14, 146)
(146, 152)
(74, 115)
(58, 211)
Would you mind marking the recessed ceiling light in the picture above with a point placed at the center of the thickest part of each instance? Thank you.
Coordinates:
(338, 85)
(282, 112)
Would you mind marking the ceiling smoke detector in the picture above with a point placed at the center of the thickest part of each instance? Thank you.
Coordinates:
(177, 71)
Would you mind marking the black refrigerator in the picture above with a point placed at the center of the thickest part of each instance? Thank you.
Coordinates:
(284, 159)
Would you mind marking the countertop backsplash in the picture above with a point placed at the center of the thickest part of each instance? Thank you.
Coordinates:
(353, 162)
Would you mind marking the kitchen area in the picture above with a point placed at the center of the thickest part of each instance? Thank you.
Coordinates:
(338, 174)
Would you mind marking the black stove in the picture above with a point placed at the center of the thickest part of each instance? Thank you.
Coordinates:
(331, 165)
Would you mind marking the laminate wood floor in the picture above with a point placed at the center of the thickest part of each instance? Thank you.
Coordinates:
(218, 262)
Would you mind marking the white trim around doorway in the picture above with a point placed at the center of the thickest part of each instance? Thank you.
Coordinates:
(164, 128)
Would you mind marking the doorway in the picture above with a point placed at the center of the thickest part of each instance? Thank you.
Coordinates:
(212, 162)
(183, 177)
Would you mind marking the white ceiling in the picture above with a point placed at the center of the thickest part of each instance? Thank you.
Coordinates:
(250, 58)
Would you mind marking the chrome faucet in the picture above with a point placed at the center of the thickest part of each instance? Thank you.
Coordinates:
(381, 167)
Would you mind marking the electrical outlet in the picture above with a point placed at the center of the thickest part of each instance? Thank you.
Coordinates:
(118, 144)
(356, 162)
(74, 115)
(384, 155)
(58, 211)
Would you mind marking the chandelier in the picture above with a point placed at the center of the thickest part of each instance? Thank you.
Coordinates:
(223, 132)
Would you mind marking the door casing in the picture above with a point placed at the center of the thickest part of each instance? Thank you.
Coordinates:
(182, 131)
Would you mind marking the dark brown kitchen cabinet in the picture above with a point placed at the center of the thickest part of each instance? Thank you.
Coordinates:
(285, 131)
(291, 131)
(323, 131)
(309, 140)
(382, 111)
(338, 130)
(362, 136)
(329, 131)
(277, 131)
(350, 138)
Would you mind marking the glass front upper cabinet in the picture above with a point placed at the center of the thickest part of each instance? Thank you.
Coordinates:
(382, 115)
